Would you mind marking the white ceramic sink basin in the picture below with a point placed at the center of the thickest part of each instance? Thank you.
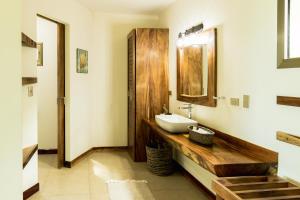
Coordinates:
(174, 123)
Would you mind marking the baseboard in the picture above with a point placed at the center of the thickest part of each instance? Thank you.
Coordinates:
(70, 164)
(111, 148)
(31, 191)
(192, 179)
(47, 151)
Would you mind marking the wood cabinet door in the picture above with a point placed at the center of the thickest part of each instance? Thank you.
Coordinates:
(152, 50)
(61, 95)
(131, 94)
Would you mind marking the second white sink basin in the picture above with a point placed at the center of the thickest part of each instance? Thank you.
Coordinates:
(174, 123)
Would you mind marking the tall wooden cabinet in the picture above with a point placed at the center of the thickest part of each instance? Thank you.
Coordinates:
(148, 51)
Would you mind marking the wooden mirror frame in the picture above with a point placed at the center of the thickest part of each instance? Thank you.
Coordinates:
(208, 100)
(281, 61)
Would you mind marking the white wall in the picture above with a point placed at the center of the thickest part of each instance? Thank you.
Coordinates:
(10, 102)
(247, 39)
(96, 103)
(78, 22)
(29, 125)
(109, 76)
(47, 87)
(29, 109)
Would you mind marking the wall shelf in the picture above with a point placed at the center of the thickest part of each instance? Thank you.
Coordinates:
(29, 80)
(288, 138)
(27, 41)
(288, 101)
(28, 152)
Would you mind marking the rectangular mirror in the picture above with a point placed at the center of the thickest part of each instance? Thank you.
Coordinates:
(193, 71)
(288, 31)
(196, 68)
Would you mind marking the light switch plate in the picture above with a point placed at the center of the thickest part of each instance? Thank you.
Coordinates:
(246, 101)
(30, 91)
(235, 101)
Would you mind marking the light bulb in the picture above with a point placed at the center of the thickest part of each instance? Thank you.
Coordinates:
(181, 40)
(200, 39)
(191, 39)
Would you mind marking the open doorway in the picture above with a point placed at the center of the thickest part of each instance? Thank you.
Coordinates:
(51, 89)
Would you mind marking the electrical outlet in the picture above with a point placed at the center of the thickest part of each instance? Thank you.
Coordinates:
(235, 101)
(246, 101)
(30, 91)
(170, 93)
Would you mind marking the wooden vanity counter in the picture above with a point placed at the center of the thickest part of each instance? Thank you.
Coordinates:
(228, 156)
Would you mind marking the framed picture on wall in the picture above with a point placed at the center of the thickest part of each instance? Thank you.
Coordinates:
(40, 58)
(82, 61)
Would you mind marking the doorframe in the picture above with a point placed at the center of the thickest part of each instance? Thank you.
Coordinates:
(61, 91)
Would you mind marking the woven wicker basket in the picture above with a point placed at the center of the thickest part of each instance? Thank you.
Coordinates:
(159, 160)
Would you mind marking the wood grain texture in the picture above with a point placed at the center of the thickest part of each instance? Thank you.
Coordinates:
(212, 74)
(61, 94)
(191, 71)
(288, 101)
(292, 197)
(131, 39)
(151, 82)
(31, 191)
(223, 158)
(256, 187)
(27, 41)
(247, 148)
(288, 138)
(219, 198)
(269, 193)
(28, 152)
(29, 80)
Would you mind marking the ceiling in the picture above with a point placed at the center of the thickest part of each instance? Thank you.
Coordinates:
(147, 7)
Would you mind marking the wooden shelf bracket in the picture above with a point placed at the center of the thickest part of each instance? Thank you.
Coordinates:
(288, 101)
(29, 80)
(27, 41)
(28, 152)
(288, 138)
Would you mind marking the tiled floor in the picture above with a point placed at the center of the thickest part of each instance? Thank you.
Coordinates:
(87, 179)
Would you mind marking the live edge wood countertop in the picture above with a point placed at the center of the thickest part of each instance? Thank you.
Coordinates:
(228, 156)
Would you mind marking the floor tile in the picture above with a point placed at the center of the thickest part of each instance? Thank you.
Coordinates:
(87, 179)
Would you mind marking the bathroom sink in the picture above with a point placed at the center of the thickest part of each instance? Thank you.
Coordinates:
(174, 123)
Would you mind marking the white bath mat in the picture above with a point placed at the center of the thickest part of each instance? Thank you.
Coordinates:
(129, 190)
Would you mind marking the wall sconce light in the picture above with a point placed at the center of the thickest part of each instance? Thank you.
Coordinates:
(194, 29)
(190, 36)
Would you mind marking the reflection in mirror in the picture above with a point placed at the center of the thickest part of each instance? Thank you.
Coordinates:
(288, 31)
(194, 70)
(292, 29)
(197, 67)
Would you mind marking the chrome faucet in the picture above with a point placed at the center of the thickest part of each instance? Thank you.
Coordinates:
(188, 106)
(165, 109)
